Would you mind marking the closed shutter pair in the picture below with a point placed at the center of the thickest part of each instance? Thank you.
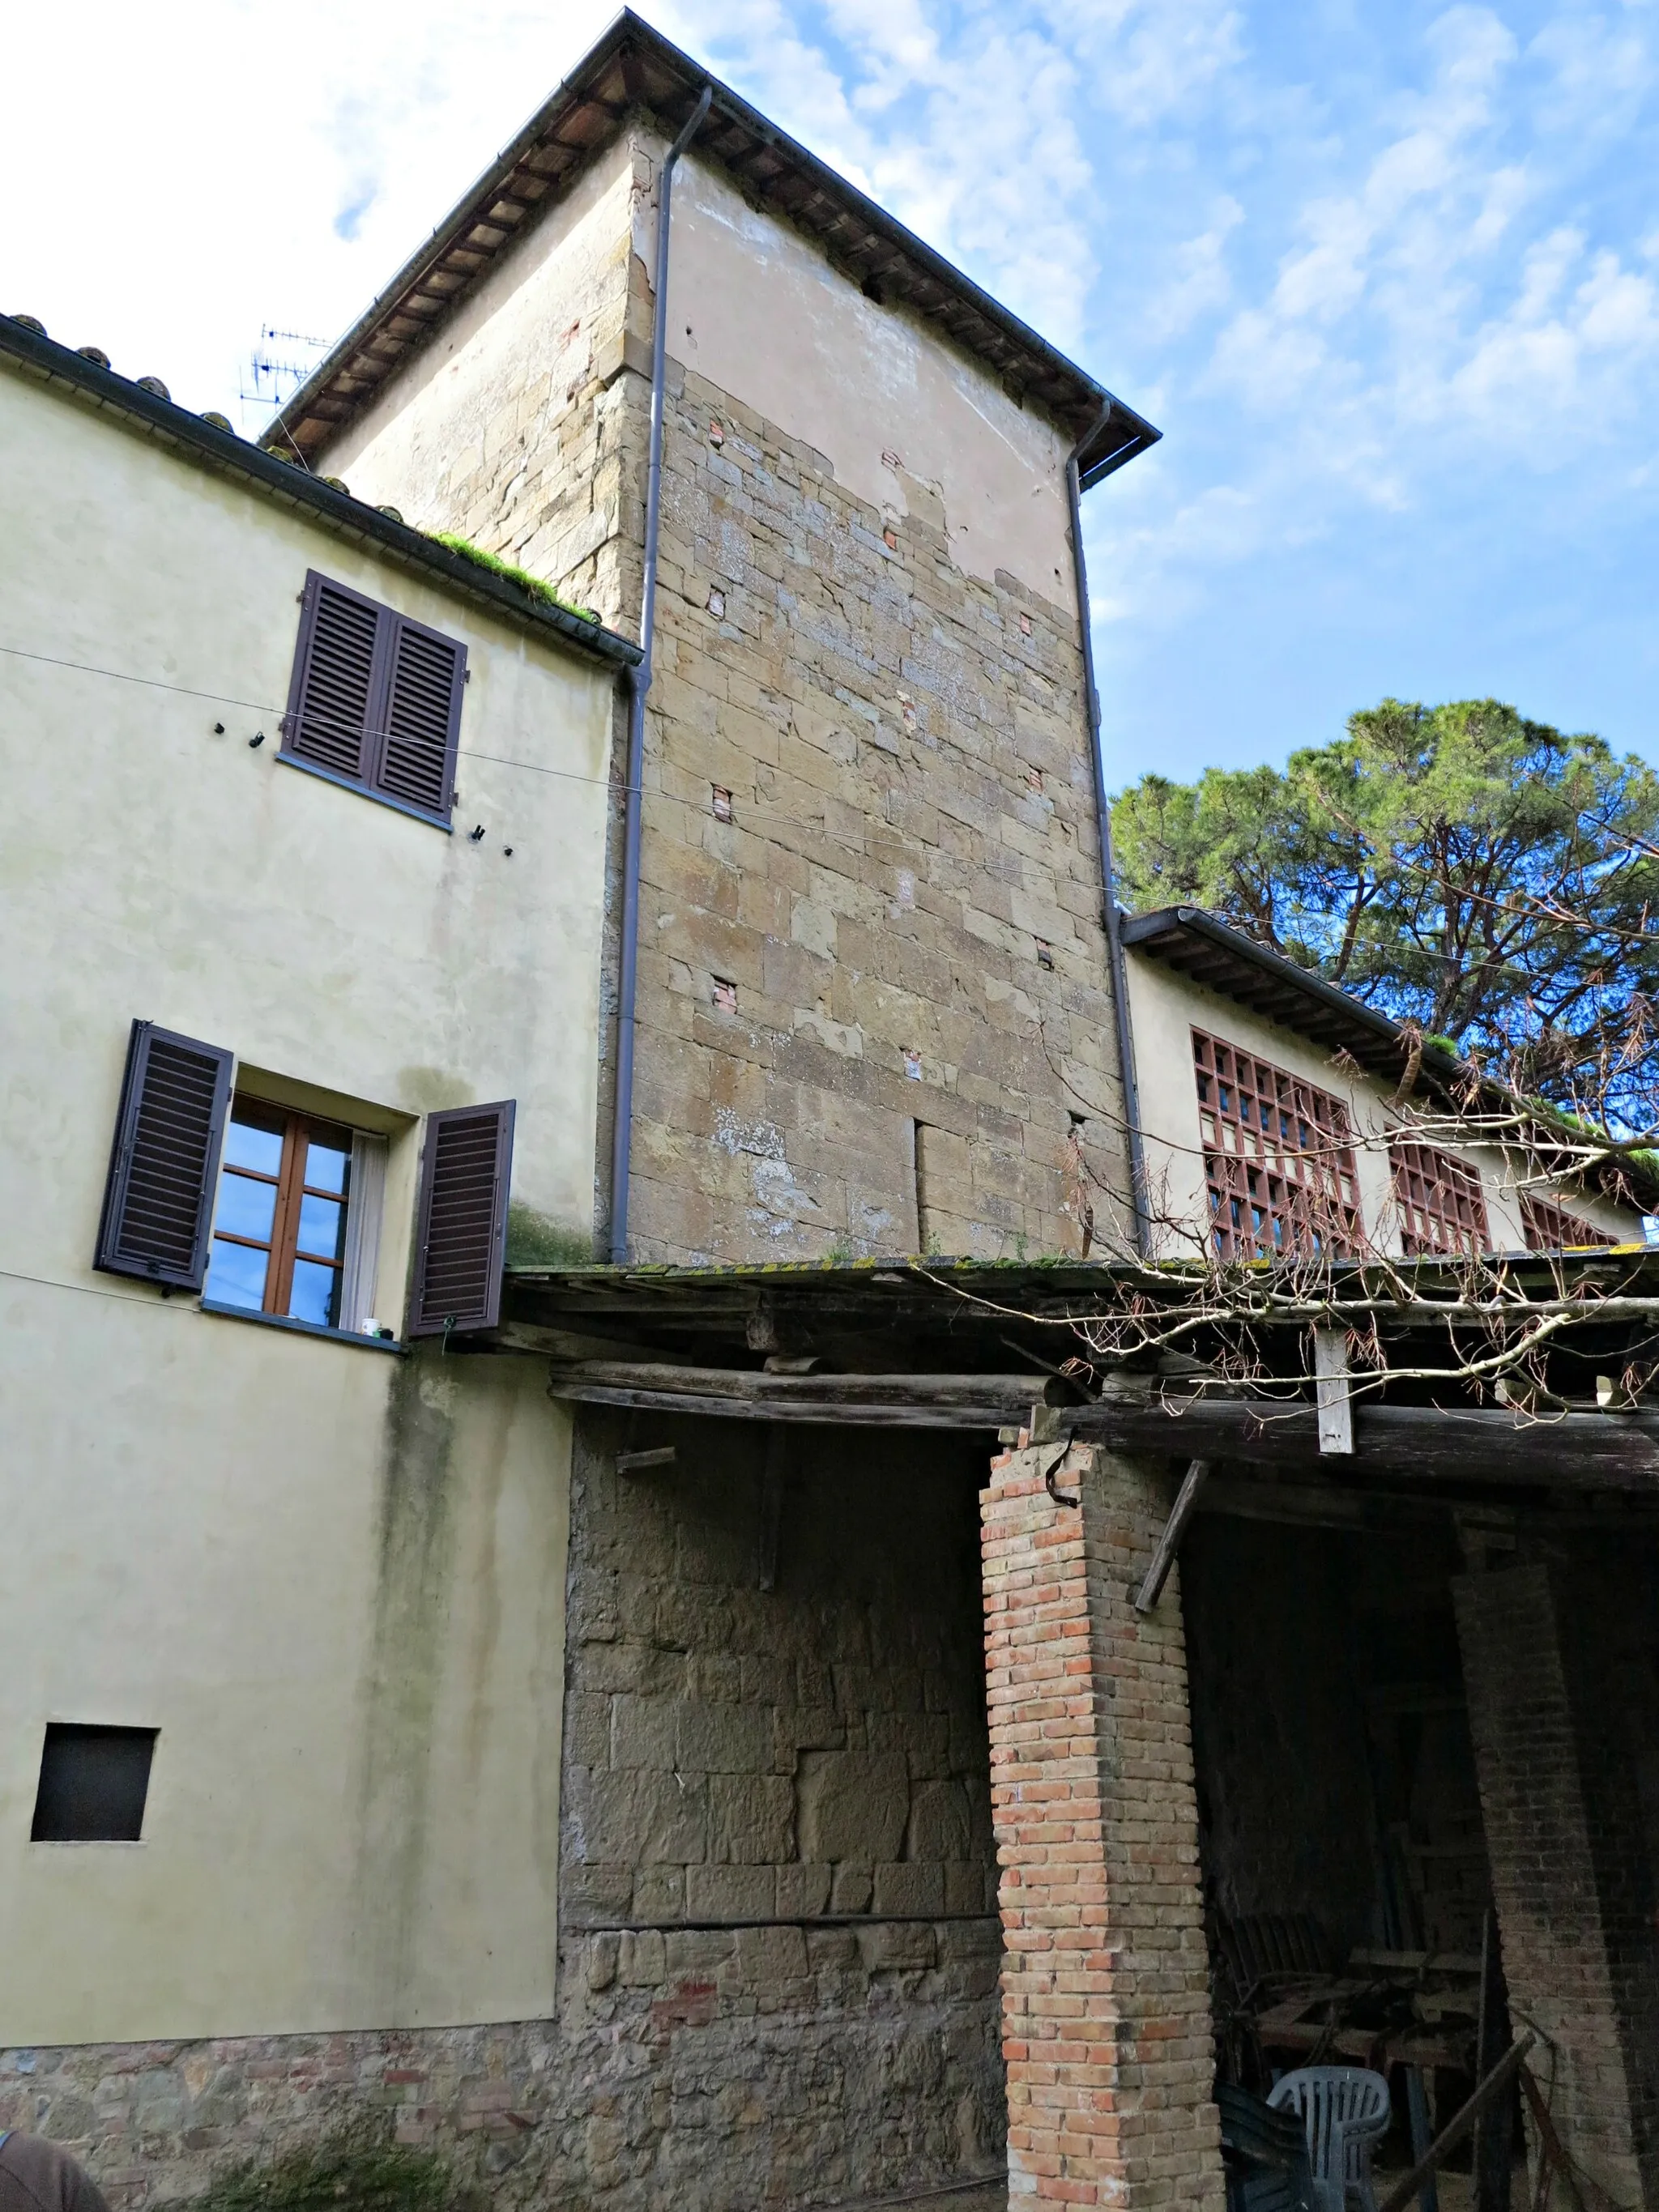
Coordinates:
(375, 699)
(158, 1201)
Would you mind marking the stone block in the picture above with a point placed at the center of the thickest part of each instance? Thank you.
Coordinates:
(642, 1733)
(751, 1818)
(697, 1954)
(640, 1961)
(659, 1892)
(730, 1893)
(766, 1957)
(969, 1886)
(851, 1888)
(940, 1826)
(724, 1739)
(851, 1805)
(639, 1817)
(802, 1891)
(905, 1890)
(894, 1947)
(593, 1890)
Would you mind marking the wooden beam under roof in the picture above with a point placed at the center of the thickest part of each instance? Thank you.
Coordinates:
(1417, 1445)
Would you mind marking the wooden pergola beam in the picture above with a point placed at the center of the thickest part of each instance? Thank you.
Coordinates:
(1411, 1445)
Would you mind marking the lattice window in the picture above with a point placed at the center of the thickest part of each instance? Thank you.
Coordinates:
(1441, 1206)
(1277, 1158)
(1550, 1228)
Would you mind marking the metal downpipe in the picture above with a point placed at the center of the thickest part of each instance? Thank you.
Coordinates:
(622, 1141)
(1125, 1042)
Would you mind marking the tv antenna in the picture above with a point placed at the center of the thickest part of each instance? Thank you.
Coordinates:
(277, 367)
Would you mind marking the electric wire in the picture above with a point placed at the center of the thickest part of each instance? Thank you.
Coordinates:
(819, 828)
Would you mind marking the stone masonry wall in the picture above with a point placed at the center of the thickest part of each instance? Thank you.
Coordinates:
(777, 1775)
(872, 1002)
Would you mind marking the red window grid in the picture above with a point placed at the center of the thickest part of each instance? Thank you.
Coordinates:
(1552, 1228)
(1441, 1206)
(1277, 1158)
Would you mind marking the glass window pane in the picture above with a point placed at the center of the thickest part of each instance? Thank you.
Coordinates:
(314, 1294)
(246, 1208)
(327, 1165)
(236, 1275)
(322, 1227)
(246, 1147)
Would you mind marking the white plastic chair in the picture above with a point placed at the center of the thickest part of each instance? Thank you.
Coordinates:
(1345, 2110)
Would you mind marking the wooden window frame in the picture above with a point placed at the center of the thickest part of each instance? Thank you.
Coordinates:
(390, 627)
(1549, 1226)
(282, 1249)
(1441, 1200)
(1300, 1173)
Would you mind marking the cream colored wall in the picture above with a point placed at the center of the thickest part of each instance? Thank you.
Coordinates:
(908, 422)
(1166, 1007)
(331, 1577)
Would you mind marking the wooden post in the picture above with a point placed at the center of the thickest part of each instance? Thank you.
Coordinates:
(1151, 1587)
(1459, 2125)
(1331, 1390)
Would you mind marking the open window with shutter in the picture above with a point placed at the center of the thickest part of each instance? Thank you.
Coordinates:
(164, 1159)
(461, 1231)
(374, 702)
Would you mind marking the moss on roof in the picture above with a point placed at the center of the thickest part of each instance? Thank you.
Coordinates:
(533, 585)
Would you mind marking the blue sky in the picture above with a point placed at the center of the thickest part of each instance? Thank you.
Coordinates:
(1387, 278)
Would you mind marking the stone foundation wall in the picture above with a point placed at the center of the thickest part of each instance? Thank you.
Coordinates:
(696, 2070)
(777, 1839)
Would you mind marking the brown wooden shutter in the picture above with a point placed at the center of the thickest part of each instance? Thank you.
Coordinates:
(425, 674)
(338, 674)
(461, 1237)
(158, 1198)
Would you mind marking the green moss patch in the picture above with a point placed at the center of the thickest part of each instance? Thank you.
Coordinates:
(536, 1240)
(532, 585)
(350, 2171)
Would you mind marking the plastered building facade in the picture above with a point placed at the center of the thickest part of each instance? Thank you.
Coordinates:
(314, 1577)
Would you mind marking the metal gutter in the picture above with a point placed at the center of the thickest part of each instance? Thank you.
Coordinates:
(223, 453)
(1125, 1042)
(622, 1137)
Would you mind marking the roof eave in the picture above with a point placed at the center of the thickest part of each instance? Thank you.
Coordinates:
(1119, 433)
(1445, 1071)
(224, 453)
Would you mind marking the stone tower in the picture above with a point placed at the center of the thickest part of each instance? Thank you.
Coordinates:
(874, 998)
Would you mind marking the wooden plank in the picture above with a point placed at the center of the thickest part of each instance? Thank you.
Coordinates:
(1458, 2126)
(1331, 1399)
(984, 1418)
(1571, 1450)
(1157, 1572)
(636, 1462)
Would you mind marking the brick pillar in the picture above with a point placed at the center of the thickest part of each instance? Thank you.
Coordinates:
(1571, 1870)
(1105, 1985)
